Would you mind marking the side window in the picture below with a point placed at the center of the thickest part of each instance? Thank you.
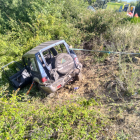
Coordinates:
(61, 48)
(33, 65)
(46, 54)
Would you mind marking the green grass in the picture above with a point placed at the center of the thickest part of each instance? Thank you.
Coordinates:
(111, 5)
(135, 20)
(36, 120)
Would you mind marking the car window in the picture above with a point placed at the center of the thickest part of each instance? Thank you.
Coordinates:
(61, 48)
(46, 53)
(33, 65)
(50, 54)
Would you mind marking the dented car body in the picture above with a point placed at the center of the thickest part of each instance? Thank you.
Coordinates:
(52, 65)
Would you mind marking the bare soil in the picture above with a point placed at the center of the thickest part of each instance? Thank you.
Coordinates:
(100, 82)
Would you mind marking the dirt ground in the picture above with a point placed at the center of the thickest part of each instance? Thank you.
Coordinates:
(100, 81)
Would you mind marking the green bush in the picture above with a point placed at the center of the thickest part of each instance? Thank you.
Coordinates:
(35, 120)
(135, 20)
(137, 10)
(27, 24)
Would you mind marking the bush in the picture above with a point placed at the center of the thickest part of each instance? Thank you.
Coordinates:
(137, 10)
(27, 24)
(135, 20)
(35, 120)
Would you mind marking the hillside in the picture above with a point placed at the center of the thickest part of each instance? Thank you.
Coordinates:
(106, 105)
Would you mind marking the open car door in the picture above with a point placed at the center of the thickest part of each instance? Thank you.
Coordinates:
(21, 76)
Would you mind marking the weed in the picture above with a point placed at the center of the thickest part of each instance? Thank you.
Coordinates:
(37, 121)
(122, 136)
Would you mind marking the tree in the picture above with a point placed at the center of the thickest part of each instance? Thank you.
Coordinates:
(101, 4)
(137, 10)
(91, 1)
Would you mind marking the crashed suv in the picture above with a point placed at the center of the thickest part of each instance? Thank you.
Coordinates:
(52, 64)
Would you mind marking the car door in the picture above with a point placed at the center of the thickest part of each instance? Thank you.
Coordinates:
(34, 68)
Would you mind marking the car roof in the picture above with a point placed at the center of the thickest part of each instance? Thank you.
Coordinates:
(43, 46)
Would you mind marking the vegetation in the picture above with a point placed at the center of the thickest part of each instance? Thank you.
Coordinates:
(67, 121)
(115, 6)
(23, 29)
(24, 25)
(138, 8)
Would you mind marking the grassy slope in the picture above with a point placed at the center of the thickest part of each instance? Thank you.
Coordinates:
(33, 117)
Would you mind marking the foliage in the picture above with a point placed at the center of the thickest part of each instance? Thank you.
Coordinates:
(135, 20)
(100, 4)
(25, 24)
(133, 3)
(137, 10)
(34, 120)
(101, 22)
(91, 1)
(116, 6)
(122, 136)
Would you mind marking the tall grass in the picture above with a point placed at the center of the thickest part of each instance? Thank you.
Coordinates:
(113, 31)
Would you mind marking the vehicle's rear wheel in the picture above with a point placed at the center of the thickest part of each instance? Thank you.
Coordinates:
(79, 77)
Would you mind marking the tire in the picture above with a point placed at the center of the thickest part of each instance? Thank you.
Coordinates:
(64, 63)
(79, 77)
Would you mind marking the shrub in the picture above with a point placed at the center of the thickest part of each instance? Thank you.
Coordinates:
(135, 20)
(35, 120)
(27, 24)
